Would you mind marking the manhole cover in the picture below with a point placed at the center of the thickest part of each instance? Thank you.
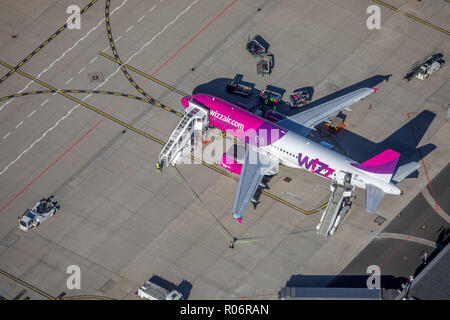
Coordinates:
(95, 77)
(287, 179)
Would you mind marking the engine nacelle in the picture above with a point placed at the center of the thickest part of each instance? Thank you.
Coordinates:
(230, 164)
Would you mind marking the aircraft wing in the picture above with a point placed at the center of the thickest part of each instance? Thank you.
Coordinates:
(256, 165)
(312, 117)
(374, 195)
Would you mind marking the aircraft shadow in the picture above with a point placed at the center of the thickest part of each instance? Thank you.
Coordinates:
(405, 140)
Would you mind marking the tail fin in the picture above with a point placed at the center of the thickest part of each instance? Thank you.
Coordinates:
(382, 165)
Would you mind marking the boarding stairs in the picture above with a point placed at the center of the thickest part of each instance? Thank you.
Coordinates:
(183, 139)
(336, 209)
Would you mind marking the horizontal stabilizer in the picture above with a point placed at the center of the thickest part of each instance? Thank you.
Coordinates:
(405, 170)
(374, 195)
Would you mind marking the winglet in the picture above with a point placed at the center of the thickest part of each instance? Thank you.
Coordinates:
(375, 90)
(239, 220)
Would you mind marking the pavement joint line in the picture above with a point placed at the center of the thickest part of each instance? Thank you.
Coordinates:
(412, 17)
(406, 237)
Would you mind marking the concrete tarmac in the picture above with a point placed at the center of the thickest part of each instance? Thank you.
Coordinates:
(120, 221)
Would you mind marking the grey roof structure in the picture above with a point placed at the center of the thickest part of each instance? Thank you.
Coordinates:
(433, 283)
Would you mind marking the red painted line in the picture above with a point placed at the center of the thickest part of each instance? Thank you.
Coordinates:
(405, 240)
(435, 111)
(54, 162)
(424, 167)
(114, 109)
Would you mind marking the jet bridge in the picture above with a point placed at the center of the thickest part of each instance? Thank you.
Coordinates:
(183, 139)
(337, 208)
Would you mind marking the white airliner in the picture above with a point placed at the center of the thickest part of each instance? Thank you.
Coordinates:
(269, 144)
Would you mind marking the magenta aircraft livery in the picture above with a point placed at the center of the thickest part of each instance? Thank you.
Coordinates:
(274, 144)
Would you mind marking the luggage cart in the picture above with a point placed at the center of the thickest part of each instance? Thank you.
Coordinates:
(255, 47)
(299, 99)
